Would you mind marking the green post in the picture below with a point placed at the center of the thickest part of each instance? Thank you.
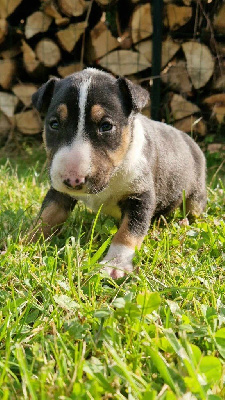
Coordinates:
(157, 19)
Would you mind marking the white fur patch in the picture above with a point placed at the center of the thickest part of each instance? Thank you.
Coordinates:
(71, 161)
(135, 156)
(83, 94)
(118, 260)
(119, 252)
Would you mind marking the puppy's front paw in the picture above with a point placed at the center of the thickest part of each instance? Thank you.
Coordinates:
(117, 269)
(118, 261)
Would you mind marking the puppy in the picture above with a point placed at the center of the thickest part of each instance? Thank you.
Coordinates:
(102, 151)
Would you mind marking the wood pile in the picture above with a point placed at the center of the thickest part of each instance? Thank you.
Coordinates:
(44, 38)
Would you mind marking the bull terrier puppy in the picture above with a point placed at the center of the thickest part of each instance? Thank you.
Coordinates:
(103, 151)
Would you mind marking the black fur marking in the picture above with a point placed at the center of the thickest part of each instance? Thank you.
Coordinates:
(114, 112)
(42, 98)
(65, 201)
(139, 208)
(136, 97)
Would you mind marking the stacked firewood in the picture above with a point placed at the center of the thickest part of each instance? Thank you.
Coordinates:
(42, 38)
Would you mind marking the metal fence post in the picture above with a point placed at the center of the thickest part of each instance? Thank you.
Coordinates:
(157, 17)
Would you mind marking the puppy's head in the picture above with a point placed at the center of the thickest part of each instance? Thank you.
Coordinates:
(87, 132)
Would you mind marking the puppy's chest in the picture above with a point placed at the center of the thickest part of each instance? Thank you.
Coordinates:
(109, 206)
(109, 198)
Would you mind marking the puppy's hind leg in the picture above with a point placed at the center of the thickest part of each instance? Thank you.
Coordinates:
(196, 203)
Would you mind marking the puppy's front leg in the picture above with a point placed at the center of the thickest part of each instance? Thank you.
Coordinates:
(55, 209)
(137, 212)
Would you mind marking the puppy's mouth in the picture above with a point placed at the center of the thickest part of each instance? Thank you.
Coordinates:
(77, 187)
(98, 183)
(89, 186)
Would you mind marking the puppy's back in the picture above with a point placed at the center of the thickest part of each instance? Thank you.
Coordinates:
(177, 163)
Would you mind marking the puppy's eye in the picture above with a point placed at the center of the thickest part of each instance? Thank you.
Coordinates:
(54, 124)
(105, 127)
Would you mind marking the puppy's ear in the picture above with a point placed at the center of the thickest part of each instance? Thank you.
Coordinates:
(135, 96)
(42, 98)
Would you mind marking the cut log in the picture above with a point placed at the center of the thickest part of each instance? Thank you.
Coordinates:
(8, 103)
(5, 124)
(106, 2)
(181, 107)
(200, 63)
(141, 24)
(169, 49)
(28, 122)
(102, 41)
(48, 52)
(29, 57)
(7, 7)
(219, 84)
(219, 20)
(177, 78)
(185, 2)
(65, 70)
(191, 125)
(219, 113)
(145, 48)
(51, 10)
(124, 62)
(36, 23)
(217, 103)
(215, 99)
(125, 40)
(7, 71)
(177, 16)
(72, 8)
(69, 37)
(3, 30)
(11, 52)
(221, 48)
(24, 92)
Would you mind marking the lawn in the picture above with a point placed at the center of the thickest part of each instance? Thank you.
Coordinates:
(69, 332)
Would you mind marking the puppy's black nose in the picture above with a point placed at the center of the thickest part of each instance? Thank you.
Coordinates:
(67, 183)
(74, 183)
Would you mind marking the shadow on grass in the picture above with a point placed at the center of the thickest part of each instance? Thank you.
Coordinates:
(28, 155)
(215, 168)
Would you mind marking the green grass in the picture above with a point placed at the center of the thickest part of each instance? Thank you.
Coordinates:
(67, 332)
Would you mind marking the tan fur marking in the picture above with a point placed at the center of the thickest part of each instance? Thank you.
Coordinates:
(100, 163)
(118, 155)
(44, 140)
(52, 216)
(107, 164)
(63, 111)
(97, 112)
(125, 237)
